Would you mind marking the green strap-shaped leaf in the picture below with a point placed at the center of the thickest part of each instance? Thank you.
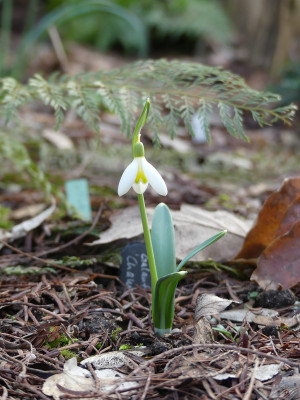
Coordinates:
(163, 302)
(163, 241)
(202, 246)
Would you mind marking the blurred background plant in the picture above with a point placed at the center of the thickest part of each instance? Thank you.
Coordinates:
(169, 23)
(119, 23)
(260, 35)
(130, 26)
(288, 86)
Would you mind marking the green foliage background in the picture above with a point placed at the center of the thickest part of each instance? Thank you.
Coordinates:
(193, 19)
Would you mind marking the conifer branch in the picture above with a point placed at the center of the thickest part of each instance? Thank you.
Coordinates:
(177, 91)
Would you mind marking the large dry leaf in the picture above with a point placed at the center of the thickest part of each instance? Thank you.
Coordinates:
(274, 215)
(192, 225)
(279, 264)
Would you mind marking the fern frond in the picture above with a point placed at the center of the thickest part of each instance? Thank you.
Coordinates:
(155, 118)
(226, 116)
(238, 123)
(84, 101)
(51, 94)
(186, 112)
(203, 113)
(12, 96)
(114, 100)
(171, 119)
(177, 91)
(131, 103)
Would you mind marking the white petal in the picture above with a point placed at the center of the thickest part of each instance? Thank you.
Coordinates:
(154, 178)
(127, 178)
(140, 187)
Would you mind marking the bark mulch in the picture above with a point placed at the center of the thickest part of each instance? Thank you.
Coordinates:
(51, 316)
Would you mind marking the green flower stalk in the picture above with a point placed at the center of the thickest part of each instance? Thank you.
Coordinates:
(160, 244)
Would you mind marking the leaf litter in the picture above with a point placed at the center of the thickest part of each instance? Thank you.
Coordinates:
(97, 315)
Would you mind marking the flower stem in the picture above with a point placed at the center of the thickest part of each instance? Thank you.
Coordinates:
(148, 243)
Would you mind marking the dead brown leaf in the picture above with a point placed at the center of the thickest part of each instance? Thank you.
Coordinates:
(279, 212)
(292, 215)
(279, 264)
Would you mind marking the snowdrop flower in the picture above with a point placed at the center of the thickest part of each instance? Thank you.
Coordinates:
(139, 174)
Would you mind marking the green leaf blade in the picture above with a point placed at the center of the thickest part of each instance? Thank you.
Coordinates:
(202, 246)
(163, 241)
(163, 307)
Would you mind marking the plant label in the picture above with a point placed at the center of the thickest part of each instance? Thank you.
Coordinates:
(77, 191)
(134, 268)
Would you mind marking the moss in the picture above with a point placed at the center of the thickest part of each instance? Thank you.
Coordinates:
(115, 334)
(62, 340)
(68, 354)
(125, 347)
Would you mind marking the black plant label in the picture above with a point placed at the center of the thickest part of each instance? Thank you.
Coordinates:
(135, 268)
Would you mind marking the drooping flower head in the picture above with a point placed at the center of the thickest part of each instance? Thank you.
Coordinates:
(140, 173)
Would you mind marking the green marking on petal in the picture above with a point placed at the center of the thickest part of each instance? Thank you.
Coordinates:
(140, 176)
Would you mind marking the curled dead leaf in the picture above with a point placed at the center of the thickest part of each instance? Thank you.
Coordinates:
(279, 264)
(209, 304)
(203, 333)
(274, 217)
